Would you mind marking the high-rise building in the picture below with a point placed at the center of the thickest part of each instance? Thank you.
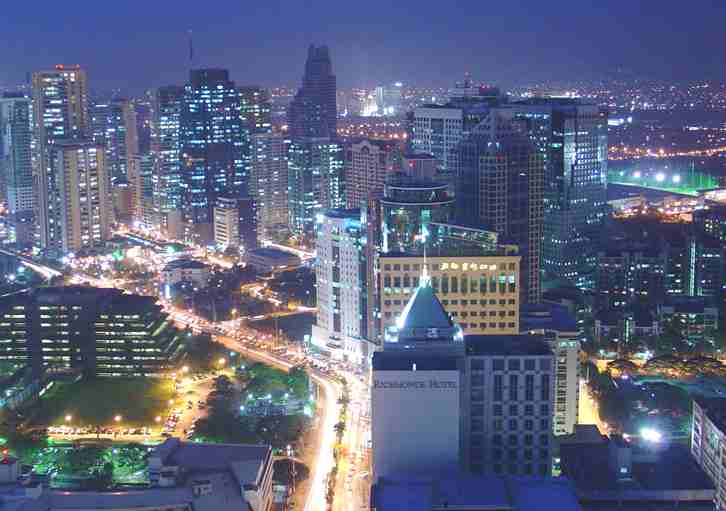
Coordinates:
(268, 183)
(16, 166)
(341, 325)
(315, 181)
(489, 399)
(60, 111)
(84, 198)
(235, 223)
(211, 149)
(369, 164)
(499, 176)
(113, 124)
(165, 148)
(255, 110)
(313, 112)
(573, 137)
(389, 99)
(141, 181)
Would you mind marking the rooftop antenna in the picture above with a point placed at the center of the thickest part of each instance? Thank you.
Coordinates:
(191, 50)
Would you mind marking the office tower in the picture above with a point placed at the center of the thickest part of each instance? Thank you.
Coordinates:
(255, 110)
(166, 111)
(124, 200)
(60, 111)
(268, 183)
(421, 166)
(315, 181)
(144, 111)
(573, 137)
(313, 112)
(341, 325)
(141, 181)
(406, 207)
(98, 332)
(369, 164)
(488, 399)
(388, 99)
(211, 149)
(113, 125)
(480, 292)
(84, 198)
(499, 176)
(16, 166)
(235, 223)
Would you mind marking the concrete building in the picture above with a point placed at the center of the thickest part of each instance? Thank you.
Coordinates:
(489, 399)
(612, 473)
(437, 130)
(313, 111)
(60, 111)
(370, 163)
(268, 183)
(98, 332)
(420, 166)
(235, 223)
(559, 329)
(708, 440)
(16, 167)
(266, 260)
(186, 270)
(341, 288)
(479, 292)
(84, 199)
(113, 125)
(141, 181)
(185, 476)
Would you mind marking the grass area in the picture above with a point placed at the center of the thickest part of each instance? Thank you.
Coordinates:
(95, 403)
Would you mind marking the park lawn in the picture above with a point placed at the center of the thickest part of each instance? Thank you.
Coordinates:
(96, 402)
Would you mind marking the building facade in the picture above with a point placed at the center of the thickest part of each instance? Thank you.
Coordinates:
(708, 440)
(60, 111)
(269, 182)
(211, 146)
(481, 293)
(315, 181)
(235, 223)
(341, 288)
(313, 111)
(369, 164)
(98, 332)
(113, 125)
(84, 199)
(16, 166)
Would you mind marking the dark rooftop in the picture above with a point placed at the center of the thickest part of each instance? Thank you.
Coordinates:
(547, 316)
(506, 345)
(404, 361)
(185, 264)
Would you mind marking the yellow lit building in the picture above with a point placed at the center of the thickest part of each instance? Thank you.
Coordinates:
(481, 293)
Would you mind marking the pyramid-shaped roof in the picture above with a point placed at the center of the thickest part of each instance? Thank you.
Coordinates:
(424, 310)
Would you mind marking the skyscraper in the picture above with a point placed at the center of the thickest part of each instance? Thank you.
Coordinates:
(341, 324)
(371, 161)
(573, 137)
(16, 168)
(165, 147)
(84, 197)
(113, 124)
(60, 109)
(315, 177)
(313, 111)
(255, 109)
(211, 147)
(499, 176)
(268, 178)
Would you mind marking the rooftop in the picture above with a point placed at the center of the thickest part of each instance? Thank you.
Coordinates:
(506, 345)
(547, 316)
(406, 360)
(186, 264)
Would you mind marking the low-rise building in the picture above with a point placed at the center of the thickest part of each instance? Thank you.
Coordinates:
(235, 223)
(266, 260)
(186, 270)
(697, 317)
(94, 331)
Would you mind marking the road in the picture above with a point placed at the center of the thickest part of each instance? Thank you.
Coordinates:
(588, 410)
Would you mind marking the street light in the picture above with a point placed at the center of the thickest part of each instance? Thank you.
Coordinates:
(185, 369)
(222, 361)
(117, 418)
(69, 418)
(157, 419)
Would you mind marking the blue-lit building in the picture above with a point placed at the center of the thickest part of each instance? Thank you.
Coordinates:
(315, 181)
(16, 169)
(573, 138)
(211, 149)
(165, 146)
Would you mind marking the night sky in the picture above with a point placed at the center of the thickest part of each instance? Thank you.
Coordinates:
(134, 44)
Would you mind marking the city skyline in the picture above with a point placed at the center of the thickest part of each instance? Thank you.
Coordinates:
(518, 42)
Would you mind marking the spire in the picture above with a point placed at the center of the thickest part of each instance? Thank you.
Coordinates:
(425, 280)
